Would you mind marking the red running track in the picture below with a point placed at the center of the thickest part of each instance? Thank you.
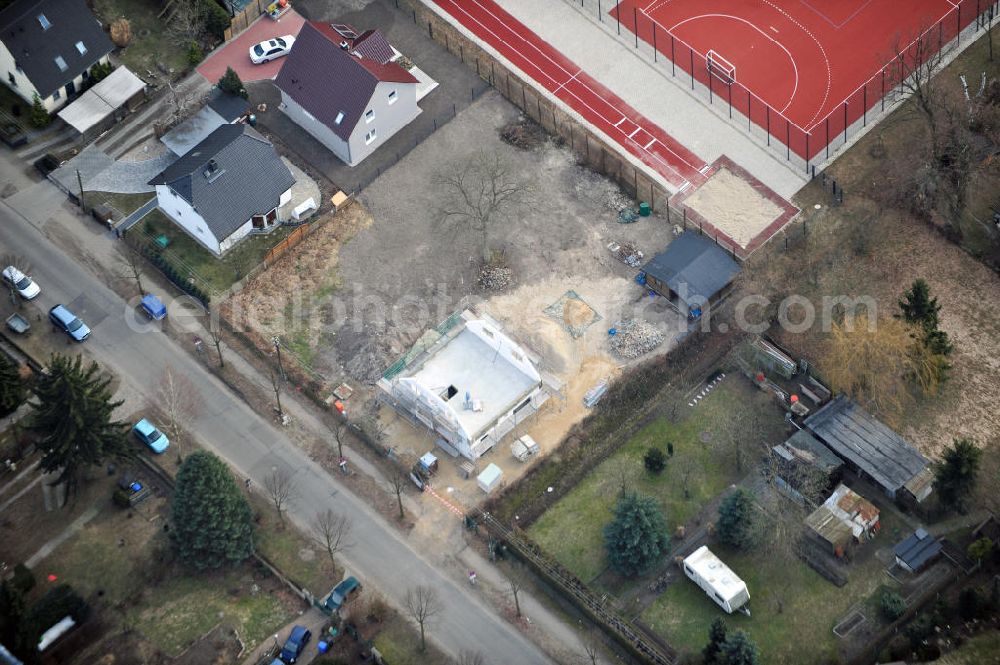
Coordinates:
(578, 90)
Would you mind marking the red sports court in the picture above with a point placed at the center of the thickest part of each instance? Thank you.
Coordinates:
(804, 70)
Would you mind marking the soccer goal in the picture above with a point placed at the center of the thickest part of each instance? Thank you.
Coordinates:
(720, 68)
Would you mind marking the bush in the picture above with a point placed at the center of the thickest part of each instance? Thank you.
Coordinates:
(654, 460)
(58, 603)
(100, 71)
(195, 54)
(231, 83)
(121, 32)
(39, 114)
(970, 603)
(216, 19)
(23, 579)
(120, 498)
(892, 605)
(919, 630)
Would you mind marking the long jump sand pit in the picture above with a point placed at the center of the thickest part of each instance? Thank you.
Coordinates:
(735, 208)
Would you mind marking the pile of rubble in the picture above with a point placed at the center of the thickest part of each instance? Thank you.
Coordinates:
(495, 277)
(629, 254)
(634, 338)
(617, 201)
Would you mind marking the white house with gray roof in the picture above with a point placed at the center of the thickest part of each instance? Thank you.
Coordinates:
(228, 185)
(346, 90)
(47, 47)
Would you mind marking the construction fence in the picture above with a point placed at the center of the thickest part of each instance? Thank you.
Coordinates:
(804, 146)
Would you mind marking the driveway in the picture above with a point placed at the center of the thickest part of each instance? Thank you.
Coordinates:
(456, 83)
(236, 54)
(254, 445)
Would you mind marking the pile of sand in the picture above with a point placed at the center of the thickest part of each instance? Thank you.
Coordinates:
(733, 206)
(577, 313)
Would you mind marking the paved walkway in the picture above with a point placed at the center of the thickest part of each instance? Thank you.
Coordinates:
(24, 490)
(129, 177)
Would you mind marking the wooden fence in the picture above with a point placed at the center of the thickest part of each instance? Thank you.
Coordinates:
(242, 20)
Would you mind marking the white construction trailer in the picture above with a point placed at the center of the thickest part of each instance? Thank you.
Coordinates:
(716, 579)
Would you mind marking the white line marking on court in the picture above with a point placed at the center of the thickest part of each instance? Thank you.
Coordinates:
(774, 28)
(637, 130)
(620, 121)
(568, 81)
(795, 68)
(826, 60)
(647, 146)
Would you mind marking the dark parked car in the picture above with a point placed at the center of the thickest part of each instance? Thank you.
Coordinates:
(342, 593)
(295, 644)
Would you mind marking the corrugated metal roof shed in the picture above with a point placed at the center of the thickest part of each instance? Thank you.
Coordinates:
(861, 439)
(917, 550)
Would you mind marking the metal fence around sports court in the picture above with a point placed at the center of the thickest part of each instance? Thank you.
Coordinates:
(804, 146)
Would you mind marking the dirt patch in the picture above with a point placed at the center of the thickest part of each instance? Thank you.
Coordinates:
(525, 134)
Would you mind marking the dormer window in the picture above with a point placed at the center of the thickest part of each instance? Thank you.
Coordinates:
(61, 64)
(44, 22)
(81, 48)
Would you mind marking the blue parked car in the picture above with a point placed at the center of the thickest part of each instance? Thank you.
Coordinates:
(295, 644)
(153, 307)
(154, 439)
(65, 320)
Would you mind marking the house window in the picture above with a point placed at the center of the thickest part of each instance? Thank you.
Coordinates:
(81, 48)
(339, 119)
(178, 213)
(10, 77)
(44, 21)
(370, 136)
(393, 97)
(369, 115)
(56, 95)
(61, 64)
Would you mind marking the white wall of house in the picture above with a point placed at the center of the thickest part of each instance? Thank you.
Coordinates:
(186, 217)
(316, 129)
(392, 107)
(18, 81)
(236, 236)
(286, 196)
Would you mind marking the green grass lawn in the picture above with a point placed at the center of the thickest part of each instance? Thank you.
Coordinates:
(983, 649)
(126, 204)
(793, 608)
(398, 643)
(185, 607)
(188, 256)
(151, 41)
(572, 528)
(283, 545)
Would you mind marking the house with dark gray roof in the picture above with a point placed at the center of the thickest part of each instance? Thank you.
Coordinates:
(47, 48)
(691, 272)
(871, 449)
(229, 185)
(918, 550)
(346, 90)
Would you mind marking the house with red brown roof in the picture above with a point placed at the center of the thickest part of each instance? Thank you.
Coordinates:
(346, 89)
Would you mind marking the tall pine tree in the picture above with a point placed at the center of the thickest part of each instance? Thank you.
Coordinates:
(739, 649)
(712, 653)
(955, 475)
(636, 539)
(211, 517)
(917, 306)
(73, 415)
(735, 524)
(11, 387)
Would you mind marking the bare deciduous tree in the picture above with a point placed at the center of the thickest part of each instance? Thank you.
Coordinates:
(281, 490)
(333, 533)
(187, 21)
(423, 605)
(276, 387)
(514, 585)
(399, 477)
(482, 193)
(466, 657)
(740, 436)
(179, 400)
(688, 471)
(215, 332)
(591, 650)
(339, 428)
(130, 267)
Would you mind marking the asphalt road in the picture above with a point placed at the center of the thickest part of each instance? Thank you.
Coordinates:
(253, 445)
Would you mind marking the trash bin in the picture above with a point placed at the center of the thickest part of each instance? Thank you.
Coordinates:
(644, 209)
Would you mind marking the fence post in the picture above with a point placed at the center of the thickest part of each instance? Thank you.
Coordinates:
(618, 18)
(673, 60)
(635, 24)
(654, 38)
(807, 152)
(845, 122)
(864, 105)
(788, 139)
(691, 51)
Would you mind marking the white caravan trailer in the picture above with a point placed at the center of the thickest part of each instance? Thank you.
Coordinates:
(716, 579)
